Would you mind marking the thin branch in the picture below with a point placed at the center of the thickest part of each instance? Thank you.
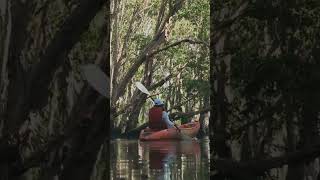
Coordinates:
(178, 105)
(135, 66)
(177, 115)
(164, 80)
(161, 14)
(128, 34)
(235, 16)
(161, 26)
(191, 41)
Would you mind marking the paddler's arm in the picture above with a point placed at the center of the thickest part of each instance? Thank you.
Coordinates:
(169, 123)
(166, 119)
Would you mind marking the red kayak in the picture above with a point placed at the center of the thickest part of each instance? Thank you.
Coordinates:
(190, 129)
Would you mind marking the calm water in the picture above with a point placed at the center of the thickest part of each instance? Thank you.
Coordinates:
(133, 159)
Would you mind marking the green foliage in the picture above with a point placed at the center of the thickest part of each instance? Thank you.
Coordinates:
(275, 65)
(141, 41)
(188, 64)
(194, 86)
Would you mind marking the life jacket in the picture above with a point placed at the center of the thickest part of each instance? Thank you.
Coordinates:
(155, 119)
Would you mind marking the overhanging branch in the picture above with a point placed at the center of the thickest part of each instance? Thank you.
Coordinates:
(41, 74)
(177, 115)
(258, 167)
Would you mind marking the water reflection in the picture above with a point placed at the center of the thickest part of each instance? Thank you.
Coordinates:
(133, 159)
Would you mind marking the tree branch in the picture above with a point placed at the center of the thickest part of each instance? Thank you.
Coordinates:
(161, 14)
(258, 167)
(179, 105)
(191, 41)
(151, 87)
(41, 74)
(127, 36)
(158, 38)
(164, 80)
(177, 115)
(236, 15)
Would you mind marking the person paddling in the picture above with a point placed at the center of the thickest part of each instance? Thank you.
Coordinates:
(159, 118)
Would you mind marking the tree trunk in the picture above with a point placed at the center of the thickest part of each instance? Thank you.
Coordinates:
(295, 171)
(139, 100)
(202, 131)
(221, 118)
(86, 143)
(28, 88)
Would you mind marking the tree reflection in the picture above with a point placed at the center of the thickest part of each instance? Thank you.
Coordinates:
(160, 160)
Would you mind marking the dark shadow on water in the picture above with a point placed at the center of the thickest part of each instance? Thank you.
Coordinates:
(133, 159)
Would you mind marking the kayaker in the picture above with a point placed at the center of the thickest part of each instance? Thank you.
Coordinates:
(158, 117)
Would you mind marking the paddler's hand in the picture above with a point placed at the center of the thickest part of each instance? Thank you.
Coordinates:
(177, 128)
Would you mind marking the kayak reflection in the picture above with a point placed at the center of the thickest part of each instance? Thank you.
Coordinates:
(165, 160)
(162, 154)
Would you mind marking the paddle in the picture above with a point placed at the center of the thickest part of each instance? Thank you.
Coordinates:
(143, 89)
(96, 78)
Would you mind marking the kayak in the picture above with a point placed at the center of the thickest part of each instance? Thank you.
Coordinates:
(190, 129)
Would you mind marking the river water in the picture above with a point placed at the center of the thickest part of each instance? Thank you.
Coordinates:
(163, 160)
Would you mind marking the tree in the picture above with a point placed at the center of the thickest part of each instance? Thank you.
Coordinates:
(34, 60)
(160, 45)
(272, 77)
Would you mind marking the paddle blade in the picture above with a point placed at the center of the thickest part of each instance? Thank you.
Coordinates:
(96, 78)
(142, 88)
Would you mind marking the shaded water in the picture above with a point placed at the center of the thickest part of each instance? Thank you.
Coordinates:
(133, 159)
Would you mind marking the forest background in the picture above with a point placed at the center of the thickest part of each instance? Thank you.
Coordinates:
(264, 74)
